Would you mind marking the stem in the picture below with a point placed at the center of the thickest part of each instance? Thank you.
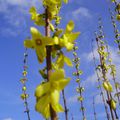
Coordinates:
(104, 78)
(48, 61)
(115, 27)
(113, 75)
(102, 94)
(24, 85)
(27, 109)
(65, 105)
(95, 115)
(79, 86)
(104, 72)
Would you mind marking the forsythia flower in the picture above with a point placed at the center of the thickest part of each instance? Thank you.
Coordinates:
(49, 93)
(39, 43)
(63, 59)
(68, 38)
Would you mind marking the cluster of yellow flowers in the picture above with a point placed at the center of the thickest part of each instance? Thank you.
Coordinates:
(48, 93)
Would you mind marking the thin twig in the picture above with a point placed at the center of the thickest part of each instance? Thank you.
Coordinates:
(65, 105)
(98, 78)
(95, 115)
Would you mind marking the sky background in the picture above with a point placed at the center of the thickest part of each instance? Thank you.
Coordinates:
(14, 28)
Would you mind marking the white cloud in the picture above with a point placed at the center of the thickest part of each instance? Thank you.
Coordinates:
(4, 4)
(116, 60)
(72, 99)
(8, 119)
(92, 79)
(3, 7)
(15, 14)
(98, 99)
(81, 12)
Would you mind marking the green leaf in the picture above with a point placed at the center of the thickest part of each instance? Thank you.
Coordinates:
(43, 74)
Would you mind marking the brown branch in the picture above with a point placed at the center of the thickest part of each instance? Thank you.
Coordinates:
(113, 75)
(104, 78)
(48, 61)
(99, 83)
(103, 61)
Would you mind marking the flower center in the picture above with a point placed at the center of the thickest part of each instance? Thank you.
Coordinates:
(38, 42)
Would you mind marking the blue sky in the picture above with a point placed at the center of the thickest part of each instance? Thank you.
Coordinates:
(14, 28)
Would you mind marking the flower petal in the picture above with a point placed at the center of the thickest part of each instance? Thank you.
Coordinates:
(68, 61)
(41, 53)
(69, 46)
(42, 89)
(46, 112)
(29, 44)
(60, 85)
(54, 97)
(35, 33)
(73, 36)
(42, 106)
(69, 27)
(57, 75)
(47, 41)
(60, 61)
(58, 108)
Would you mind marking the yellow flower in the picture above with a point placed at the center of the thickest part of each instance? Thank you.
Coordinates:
(68, 38)
(63, 59)
(49, 93)
(118, 17)
(113, 104)
(107, 86)
(39, 43)
(37, 18)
